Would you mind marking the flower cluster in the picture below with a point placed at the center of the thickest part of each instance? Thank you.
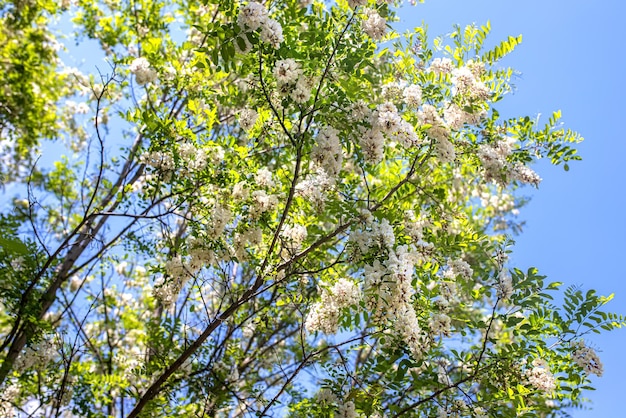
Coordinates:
(465, 83)
(374, 25)
(254, 16)
(459, 268)
(346, 410)
(37, 355)
(586, 358)
(324, 315)
(247, 118)
(456, 117)
(387, 119)
(291, 80)
(316, 188)
(412, 95)
(388, 288)
(441, 66)
(498, 169)
(504, 285)
(440, 324)
(439, 131)
(262, 202)
(294, 235)
(8, 396)
(144, 74)
(167, 288)
(327, 152)
(356, 3)
(540, 376)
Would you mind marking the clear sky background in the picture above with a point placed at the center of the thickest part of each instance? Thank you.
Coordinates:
(572, 58)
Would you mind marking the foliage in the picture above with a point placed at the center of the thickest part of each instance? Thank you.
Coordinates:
(277, 209)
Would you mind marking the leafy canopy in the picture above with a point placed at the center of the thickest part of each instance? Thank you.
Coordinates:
(281, 208)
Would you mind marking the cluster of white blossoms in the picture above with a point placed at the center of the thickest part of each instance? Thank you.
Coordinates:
(374, 24)
(456, 117)
(458, 268)
(37, 355)
(287, 72)
(356, 3)
(315, 188)
(441, 66)
(8, 396)
(162, 161)
(439, 131)
(414, 226)
(193, 159)
(264, 178)
(493, 158)
(326, 396)
(586, 358)
(142, 70)
(327, 152)
(293, 236)
(254, 16)
(244, 241)
(372, 143)
(346, 410)
(540, 376)
(504, 285)
(247, 118)
(412, 95)
(262, 202)
(167, 288)
(220, 217)
(324, 315)
(385, 121)
(291, 80)
(387, 285)
(440, 324)
(466, 83)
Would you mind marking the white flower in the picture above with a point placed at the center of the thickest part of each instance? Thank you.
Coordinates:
(324, 315)
(440, 324)
(586, 358)
(295, 234)
(346, 410)
(459, 268)
(540, 377)
(441, 66)
(505, 285)
(355, 3)
(252, 16)
(247, 118)
(272, 33)
(287, 71)
(412, 95)
(325, 396)
(372, 143)
(262, 203)
(327, 151)
(438, 129)
(143, 73)
(302, 92)
(263, 178)
(375, 25)
(359, 112)
(387, 118)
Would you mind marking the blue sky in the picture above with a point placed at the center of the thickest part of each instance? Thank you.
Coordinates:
(572, 59)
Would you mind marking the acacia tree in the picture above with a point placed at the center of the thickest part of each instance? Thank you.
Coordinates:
(281, 208)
